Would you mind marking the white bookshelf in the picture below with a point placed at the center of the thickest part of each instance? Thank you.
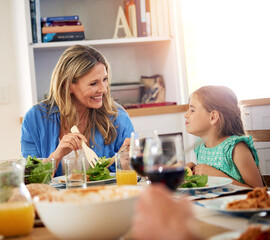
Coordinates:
(129, 57)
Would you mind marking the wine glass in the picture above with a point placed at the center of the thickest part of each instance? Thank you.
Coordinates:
(164, 160)
(137, 143)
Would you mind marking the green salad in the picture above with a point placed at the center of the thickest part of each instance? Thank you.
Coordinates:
(194, 181)
(37, 172)
(100, 171)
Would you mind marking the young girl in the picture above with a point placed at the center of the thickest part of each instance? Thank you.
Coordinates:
(224, 150)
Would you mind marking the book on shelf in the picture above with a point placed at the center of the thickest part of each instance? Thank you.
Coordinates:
(160, 22)
(65, 28)
(130, 13)
(61, 23)
(60, 18)
(153, 17)
(33, 20)
(166, 18)
(62, 36)
(141, 17)
(148, 17)
(38, 21)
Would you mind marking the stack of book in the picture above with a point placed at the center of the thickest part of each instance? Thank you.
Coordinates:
(148, 17)
(62, 28)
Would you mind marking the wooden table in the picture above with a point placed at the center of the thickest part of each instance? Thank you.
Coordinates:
(209, 222)
(42, 233)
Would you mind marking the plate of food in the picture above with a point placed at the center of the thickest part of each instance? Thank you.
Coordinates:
(99, 174)
(252, 232)
(257, 200)
(61, 180)
(205, 182)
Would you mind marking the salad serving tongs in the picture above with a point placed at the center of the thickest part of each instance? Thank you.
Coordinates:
(91, 156)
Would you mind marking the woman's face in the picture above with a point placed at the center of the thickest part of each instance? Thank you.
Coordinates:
(89, 89)
(197, 118)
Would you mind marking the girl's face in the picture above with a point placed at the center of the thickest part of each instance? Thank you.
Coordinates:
(197, 118)
(89, 89)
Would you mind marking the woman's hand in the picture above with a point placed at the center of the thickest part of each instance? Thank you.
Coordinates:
(125, 145)
(69, 142)
(159, 216)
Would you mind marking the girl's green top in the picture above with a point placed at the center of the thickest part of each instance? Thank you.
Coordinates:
(220, 157)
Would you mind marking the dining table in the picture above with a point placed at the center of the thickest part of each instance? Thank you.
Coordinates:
(210, 223)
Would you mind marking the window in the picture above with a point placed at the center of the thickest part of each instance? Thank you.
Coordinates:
(227, 42)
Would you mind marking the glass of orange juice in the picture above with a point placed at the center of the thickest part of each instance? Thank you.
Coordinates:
(125, 174)
(16, 207)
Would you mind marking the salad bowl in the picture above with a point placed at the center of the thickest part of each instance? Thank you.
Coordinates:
(39, 170)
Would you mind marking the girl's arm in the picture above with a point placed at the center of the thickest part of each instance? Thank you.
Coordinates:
(246, 165)
(204, 169)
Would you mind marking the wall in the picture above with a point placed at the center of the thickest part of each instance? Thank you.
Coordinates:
(9, 104)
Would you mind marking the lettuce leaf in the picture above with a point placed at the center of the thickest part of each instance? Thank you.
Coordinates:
(195, 181)
(99, 172)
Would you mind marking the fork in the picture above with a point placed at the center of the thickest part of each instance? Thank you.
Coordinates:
(91, 156)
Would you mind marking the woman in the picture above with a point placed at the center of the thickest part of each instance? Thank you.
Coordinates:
(79, 95)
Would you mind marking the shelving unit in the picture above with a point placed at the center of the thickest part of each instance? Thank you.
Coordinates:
(130, 58)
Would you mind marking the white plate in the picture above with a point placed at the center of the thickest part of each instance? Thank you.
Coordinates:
(220, 204)
(213, 182)
(226, 236)
(58, 181)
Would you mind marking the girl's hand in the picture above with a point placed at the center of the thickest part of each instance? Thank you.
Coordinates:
(204, 169)
(191, 165)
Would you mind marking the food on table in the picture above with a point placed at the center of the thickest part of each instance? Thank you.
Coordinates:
(192, 181)
(37, 171)
(91, 194)
(255, 233)
(188, 171)
(34, 190)
(18, 214)
(258, 198)
(99, 172)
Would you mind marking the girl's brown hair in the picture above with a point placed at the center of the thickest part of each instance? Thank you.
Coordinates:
(75, 62)
(224, 101)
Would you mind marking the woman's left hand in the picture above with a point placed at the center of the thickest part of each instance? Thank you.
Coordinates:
(125, 145)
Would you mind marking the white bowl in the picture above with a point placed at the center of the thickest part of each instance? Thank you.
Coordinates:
(89, 218)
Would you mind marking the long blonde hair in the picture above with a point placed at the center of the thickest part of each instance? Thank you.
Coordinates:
(224, 101)
(75, 62)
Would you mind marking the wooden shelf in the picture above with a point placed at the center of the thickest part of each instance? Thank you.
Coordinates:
(255, 102)
(259, 135)
(137, 112)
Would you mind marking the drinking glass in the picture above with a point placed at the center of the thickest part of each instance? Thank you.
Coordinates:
(75, 170)
(125, 174)
(16, 207)
(137, 144)
(164, 160)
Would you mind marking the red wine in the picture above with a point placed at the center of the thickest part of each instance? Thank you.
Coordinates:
(171, 177)
(137, 163)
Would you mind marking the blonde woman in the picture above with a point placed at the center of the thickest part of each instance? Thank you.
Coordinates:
(79, 95)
